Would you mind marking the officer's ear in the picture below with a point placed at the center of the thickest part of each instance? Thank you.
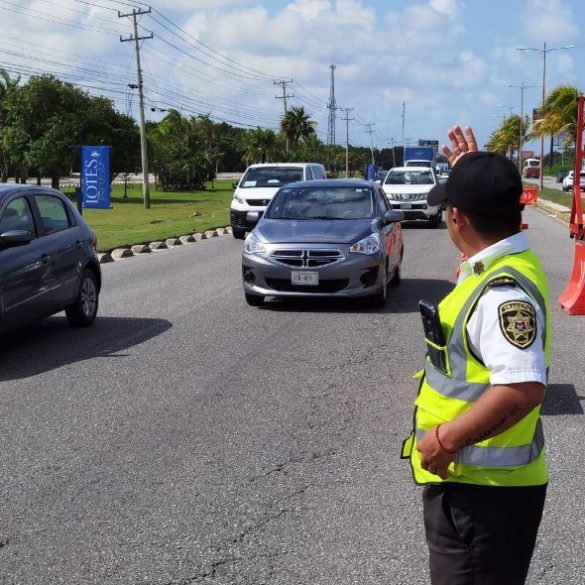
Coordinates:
(459, 218)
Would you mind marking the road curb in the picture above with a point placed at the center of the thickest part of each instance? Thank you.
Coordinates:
(140, 249)
(158, 245)
(120, 253)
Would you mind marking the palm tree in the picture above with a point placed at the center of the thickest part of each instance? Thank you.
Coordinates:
(297, 124)
(506, 139)
(559, 116)
(258, 145)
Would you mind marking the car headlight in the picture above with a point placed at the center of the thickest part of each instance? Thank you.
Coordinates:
(253, 245)
(239, 199)
(369, 245)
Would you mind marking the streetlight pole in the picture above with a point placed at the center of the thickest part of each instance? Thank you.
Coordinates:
(544, 51)
(392, 141)
(521, 87)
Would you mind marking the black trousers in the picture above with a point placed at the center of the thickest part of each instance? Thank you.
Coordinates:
(479, 535)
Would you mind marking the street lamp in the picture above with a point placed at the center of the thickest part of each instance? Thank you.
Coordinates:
(521, 87)
(544, 51)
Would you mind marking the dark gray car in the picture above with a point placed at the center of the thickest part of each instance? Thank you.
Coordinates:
(331, 238)
(48, 260)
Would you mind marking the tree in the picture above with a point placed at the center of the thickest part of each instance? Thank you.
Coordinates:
(506, 139)
(559, 115)
(297, 124)
(258, 145)
(7, 86)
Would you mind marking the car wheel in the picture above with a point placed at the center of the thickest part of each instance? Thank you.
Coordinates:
(83, 311)
(238, 233)
(435, 220)
(254, 300)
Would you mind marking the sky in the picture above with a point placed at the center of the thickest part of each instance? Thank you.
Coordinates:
(409, 69)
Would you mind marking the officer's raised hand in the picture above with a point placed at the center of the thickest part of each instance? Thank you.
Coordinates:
(461, 143)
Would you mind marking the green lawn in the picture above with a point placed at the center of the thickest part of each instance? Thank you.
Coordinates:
(557, 196)
(170, 215)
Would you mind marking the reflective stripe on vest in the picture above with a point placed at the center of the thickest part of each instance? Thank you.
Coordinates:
(457, 386)
(499, 456)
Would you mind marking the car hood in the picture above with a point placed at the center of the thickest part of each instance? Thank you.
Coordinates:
(343, 231)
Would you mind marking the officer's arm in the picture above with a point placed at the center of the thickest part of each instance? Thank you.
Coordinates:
(499, 408)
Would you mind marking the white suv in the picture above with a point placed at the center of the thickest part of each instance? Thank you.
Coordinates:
(258, 186)
(407, 188)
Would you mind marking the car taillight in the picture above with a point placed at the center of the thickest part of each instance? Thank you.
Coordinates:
(94, 241)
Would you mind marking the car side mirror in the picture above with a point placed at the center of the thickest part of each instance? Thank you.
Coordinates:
(253, 216)
(393, 216)
(235, 185)
(16, 237)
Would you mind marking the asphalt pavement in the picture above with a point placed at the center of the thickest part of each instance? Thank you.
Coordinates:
(187, 438)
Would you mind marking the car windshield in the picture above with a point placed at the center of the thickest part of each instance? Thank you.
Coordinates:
(409, 178)
(270, 177)
(322, 203)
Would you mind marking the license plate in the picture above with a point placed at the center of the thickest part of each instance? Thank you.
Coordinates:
(304, 278)
(407, 206)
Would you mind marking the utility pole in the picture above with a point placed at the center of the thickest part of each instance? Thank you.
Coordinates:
(544, 51)
(392, 141)
(403, 121)
(521, 87)
(370, 130)
(143, 147)
(332, 107)
(283, 83)
(347, 120)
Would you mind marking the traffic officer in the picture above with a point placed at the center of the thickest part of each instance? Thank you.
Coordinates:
(477, 446)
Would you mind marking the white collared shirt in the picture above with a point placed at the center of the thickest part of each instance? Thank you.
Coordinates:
(507, 363)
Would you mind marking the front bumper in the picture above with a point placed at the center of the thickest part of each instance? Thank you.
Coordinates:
(238, 220)
(355, 275)
(415, 209)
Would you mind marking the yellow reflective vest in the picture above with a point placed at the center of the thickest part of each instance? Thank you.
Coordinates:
(516, 456)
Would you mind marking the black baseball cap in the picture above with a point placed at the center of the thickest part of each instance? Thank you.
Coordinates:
(481, 182)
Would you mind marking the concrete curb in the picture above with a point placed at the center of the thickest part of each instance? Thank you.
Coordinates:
(105, 257)
(559, 212)
(120, 253)
(140, 249)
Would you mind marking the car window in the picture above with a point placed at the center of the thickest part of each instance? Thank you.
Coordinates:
(409, 178)
(322, 203)
(310, 175)
(270, 177)
(17, 216)
(53, 213)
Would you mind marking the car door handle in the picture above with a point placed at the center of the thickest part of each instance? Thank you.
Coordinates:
(44, 258)
(78, 243)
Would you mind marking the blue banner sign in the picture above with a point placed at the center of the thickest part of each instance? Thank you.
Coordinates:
(371, 172)
(95, 176)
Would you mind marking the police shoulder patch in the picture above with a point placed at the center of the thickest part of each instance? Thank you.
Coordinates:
(518, 323)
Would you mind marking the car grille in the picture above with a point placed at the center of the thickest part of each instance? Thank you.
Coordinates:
(306, 258)
(258, 202)
(324, 286)
(408, 196)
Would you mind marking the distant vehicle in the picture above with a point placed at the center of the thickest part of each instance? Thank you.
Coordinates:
(380, 176)
(419, 156)
(335, 238)
(407, 188)
(259, 184)
(48, 259)
(560, 176)
(531, 168)
(568, 181)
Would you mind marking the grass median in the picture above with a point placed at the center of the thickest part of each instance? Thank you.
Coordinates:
(170, 214)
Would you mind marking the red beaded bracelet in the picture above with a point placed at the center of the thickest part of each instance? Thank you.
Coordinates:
(441, 444)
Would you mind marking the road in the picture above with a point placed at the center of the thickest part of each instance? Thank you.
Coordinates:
(190, 439)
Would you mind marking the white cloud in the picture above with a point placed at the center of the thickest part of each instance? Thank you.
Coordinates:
(549, 20)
